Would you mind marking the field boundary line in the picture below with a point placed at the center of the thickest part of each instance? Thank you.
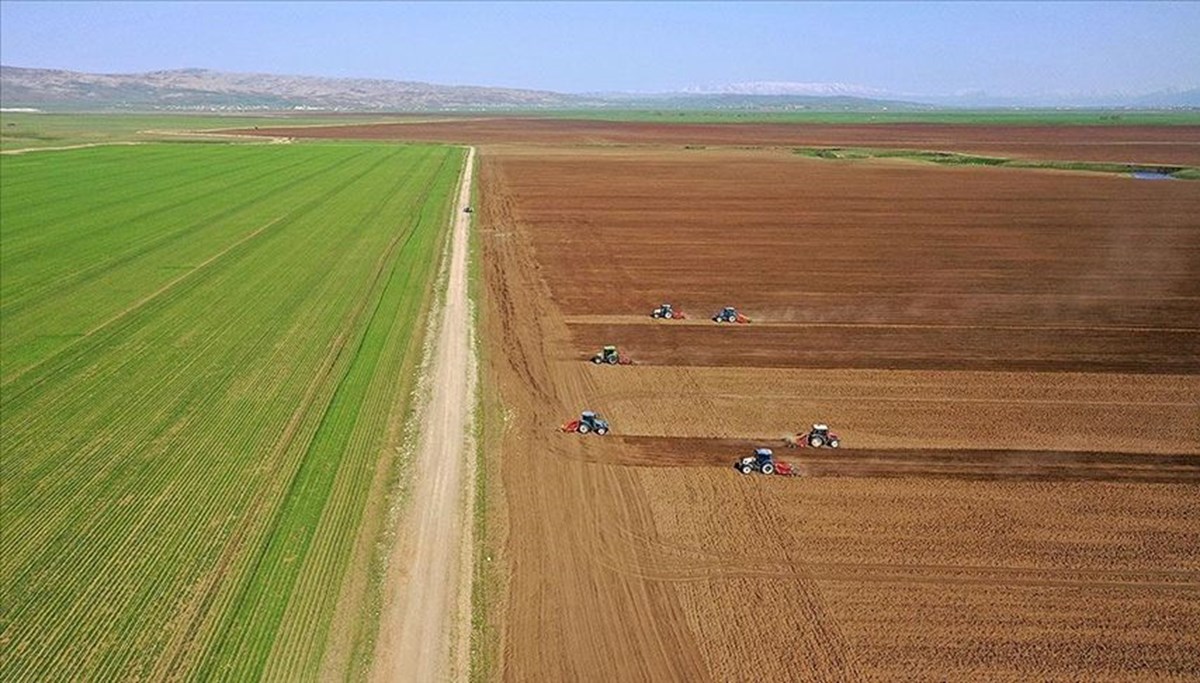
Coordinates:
(644, 320)
(223, 137)
(63, 148)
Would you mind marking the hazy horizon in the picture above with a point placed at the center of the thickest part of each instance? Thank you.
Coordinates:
(1010, 49)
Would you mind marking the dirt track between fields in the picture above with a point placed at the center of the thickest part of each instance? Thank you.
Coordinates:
(426, 619)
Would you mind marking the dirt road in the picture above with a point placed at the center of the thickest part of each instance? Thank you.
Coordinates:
(424, 627)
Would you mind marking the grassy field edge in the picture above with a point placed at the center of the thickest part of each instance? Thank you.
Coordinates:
(486, 508)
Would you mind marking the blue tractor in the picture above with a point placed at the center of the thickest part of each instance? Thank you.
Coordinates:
(729, 314)
(763, 461)
(587, 422)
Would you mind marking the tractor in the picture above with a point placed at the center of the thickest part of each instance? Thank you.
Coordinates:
(818, 436)
(764, 461)
(609, 355)
(587, 422)
(729, 314)
(468, 210)
(665, 311)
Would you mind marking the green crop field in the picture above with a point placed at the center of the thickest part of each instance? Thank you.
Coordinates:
(27, 130)
(206, 362)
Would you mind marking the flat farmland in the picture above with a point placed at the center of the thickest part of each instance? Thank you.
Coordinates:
(1145, 144)
(1010, 358)
(206, 362)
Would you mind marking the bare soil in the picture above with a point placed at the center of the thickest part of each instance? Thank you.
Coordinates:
(1008, 356)
(1121, 144)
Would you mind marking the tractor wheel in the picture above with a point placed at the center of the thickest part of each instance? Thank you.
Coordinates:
(768, 469)
(833, 443)
(746, 469)
(655, 315)
(816, 442)
(612, 360)
(596, 359)
(583, 428)
(668, 315)
(602, 431)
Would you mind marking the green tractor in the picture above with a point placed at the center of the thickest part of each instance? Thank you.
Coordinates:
(610, 356)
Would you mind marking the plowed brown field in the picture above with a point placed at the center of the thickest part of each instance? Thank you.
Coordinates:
(1121, 144)
(1010, 357)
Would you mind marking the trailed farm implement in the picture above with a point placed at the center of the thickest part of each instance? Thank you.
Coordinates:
(587, 422)
(666, 311)
(817, 437)
(610, 356)
(729, 314)
(764, 461)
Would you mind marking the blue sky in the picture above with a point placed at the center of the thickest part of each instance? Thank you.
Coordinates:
(930, 48)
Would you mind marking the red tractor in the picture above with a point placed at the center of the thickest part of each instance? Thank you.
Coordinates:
(817, 437)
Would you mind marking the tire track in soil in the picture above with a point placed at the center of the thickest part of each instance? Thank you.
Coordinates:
(737, 604)
(966, 464)
(682, 563)
(574, 610)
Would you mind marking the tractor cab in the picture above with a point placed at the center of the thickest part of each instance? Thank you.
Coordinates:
(589, 421)
(763, 461)
(820, 436)
(608, 355)
(729, 314)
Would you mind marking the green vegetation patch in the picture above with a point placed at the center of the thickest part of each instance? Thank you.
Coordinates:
(31, 130)
(957, 159)
(204, 347)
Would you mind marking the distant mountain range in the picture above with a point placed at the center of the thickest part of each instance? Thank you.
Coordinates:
(1163, 98)
(206, 90)
(202, 89)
